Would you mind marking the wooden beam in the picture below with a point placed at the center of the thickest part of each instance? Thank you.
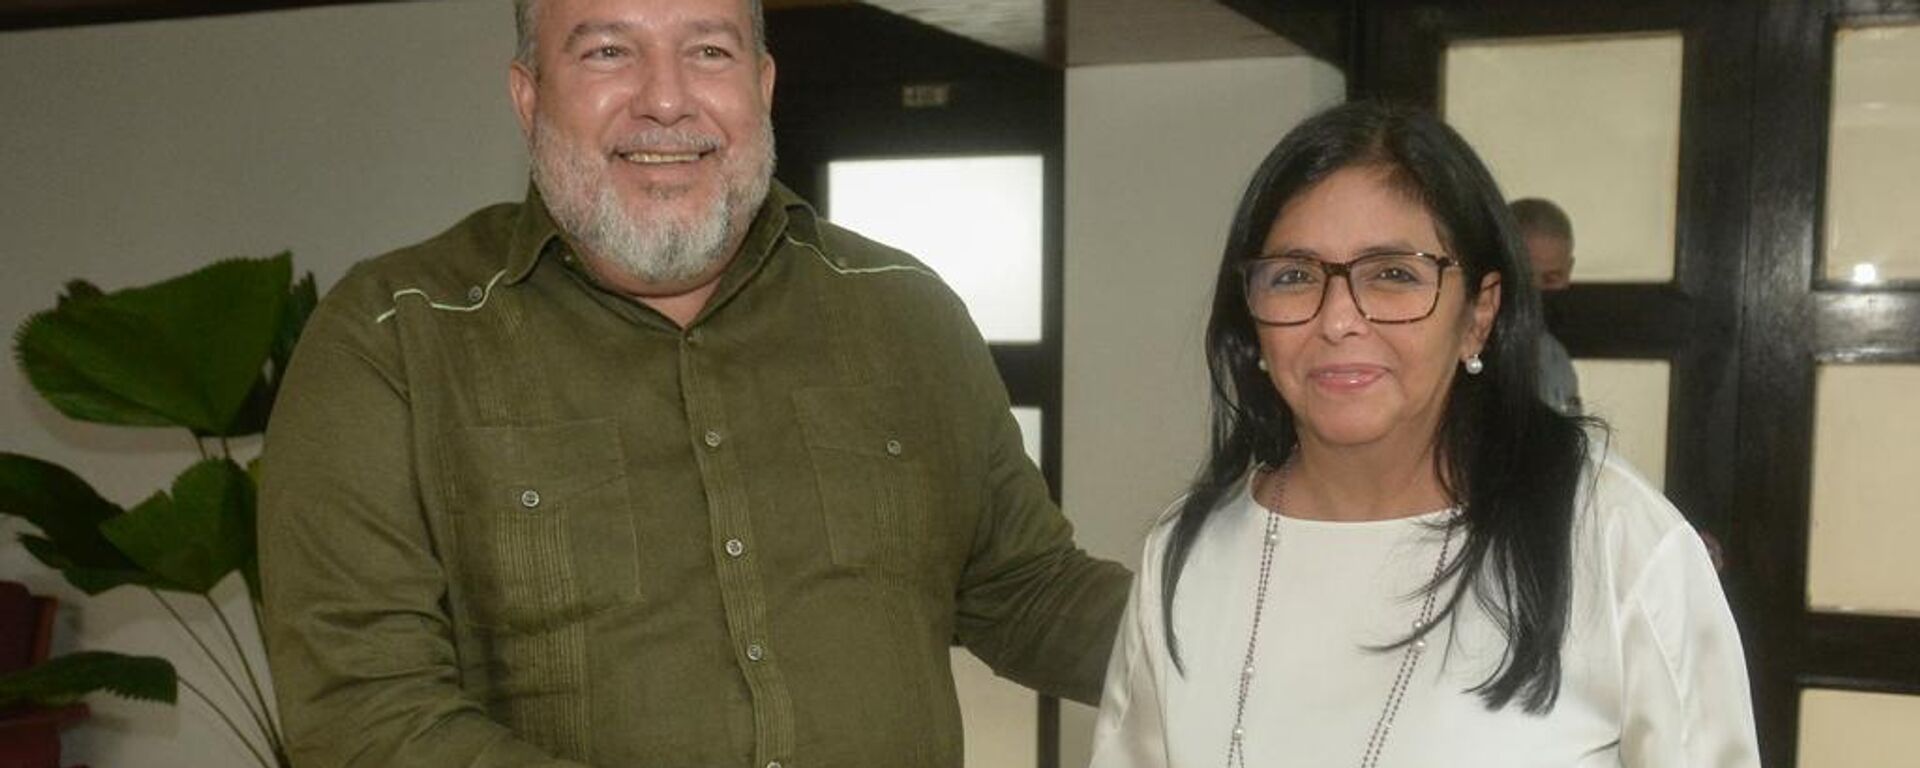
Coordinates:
(41, 14)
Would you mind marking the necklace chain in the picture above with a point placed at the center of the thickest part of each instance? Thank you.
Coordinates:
(1409, 658)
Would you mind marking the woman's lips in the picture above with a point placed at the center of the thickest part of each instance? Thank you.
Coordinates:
(1342, 378)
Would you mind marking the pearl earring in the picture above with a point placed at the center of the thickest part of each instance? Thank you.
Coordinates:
(1474, 365)
(1262, 364)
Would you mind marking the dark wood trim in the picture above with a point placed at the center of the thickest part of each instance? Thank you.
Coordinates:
(1877, 327)
(1322, 28)
(1623, 320)
(1774, 455)
(1862, 653)
(1876, 11)
(39, 14)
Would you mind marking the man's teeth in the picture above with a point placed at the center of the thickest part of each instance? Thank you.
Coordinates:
(660, 158)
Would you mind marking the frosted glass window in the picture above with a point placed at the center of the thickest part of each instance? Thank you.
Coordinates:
(1632, 396)
(1029, 419)
(975, 220)
(1592, 124)
(1873, 169)
(1865, 515)
(1001, 719)
(1844, 729)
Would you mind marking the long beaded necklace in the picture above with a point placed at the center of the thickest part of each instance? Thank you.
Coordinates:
(1409, 658)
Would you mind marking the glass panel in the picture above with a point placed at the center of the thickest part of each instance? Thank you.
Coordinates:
(1002, 719)
(1873, 166)
(1592, 124)
(1632, 396)
(975, 220)
(1865, 516)
(1029, 419)
(1841, 729)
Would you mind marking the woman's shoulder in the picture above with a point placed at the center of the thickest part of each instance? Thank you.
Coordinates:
(1626, 521)
(1231, 502)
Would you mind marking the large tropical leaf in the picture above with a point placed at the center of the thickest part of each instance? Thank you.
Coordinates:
(91, 578)
(252, 418)
(183, 352)
(197, 536)
(69, 513)
(67, 678)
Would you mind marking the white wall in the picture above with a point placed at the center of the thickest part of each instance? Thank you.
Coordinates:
(137, 152)
(1157, 157)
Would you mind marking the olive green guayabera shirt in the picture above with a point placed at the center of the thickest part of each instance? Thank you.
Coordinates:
(510, 518)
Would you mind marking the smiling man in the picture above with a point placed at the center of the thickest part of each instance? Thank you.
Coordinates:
(656, 467)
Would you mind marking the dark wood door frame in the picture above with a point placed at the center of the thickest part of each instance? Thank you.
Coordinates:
(1797, 321)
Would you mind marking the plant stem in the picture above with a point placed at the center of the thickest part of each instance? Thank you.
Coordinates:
(272, 727)
(258, 720)
(237, 734)
(226, 449)
(201, 446)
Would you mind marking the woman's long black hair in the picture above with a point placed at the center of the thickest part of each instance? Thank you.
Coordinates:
(1508, 460)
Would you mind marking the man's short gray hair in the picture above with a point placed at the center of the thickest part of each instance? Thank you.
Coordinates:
(1539, 216)
(527, 49)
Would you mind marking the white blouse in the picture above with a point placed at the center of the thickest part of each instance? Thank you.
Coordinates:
(1652, 673)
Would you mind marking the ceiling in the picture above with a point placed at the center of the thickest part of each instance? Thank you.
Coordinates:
(1094, 31)
(1091, 32)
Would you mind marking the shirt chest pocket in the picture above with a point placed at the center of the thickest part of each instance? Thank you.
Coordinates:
(543, 530)
(876, 462)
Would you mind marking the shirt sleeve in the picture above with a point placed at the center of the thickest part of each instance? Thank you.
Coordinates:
(1030, 603)
(360, 645)
(1130, 731)
(1687, 703)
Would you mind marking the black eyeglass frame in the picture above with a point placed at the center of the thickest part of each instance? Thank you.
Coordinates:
(1344, 270)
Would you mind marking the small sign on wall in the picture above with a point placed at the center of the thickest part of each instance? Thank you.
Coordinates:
(926, 95)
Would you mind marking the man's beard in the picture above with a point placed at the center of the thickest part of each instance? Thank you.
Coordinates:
(652, 245)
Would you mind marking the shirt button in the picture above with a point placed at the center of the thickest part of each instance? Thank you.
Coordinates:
(693, 337)
(530, 498)
(736, 547)
(714, 439)
(894, 448)
(755, 652)
(475, 294)
(774, 764)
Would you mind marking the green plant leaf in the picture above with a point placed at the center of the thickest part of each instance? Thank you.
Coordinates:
(67, 678)
(198, 535)
(80, 289)
(252, 417)
(182, 352)
(251, 570)
(69, 513)
(92, 579)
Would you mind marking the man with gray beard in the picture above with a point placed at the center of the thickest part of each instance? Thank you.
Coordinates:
(656, 467)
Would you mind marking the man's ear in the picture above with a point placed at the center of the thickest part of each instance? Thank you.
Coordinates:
(524, 86)
(766, 80)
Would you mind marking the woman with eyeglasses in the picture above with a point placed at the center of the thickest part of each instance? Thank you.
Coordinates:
(1395, 554)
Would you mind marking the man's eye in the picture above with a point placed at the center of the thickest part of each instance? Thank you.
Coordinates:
(606, 52)
(713, 52)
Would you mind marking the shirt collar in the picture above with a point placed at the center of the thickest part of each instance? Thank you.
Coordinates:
(533, 233)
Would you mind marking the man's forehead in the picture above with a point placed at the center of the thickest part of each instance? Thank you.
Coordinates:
(1546, 247)
(570, 17)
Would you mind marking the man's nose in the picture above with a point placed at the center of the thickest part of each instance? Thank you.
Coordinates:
(663, 95)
